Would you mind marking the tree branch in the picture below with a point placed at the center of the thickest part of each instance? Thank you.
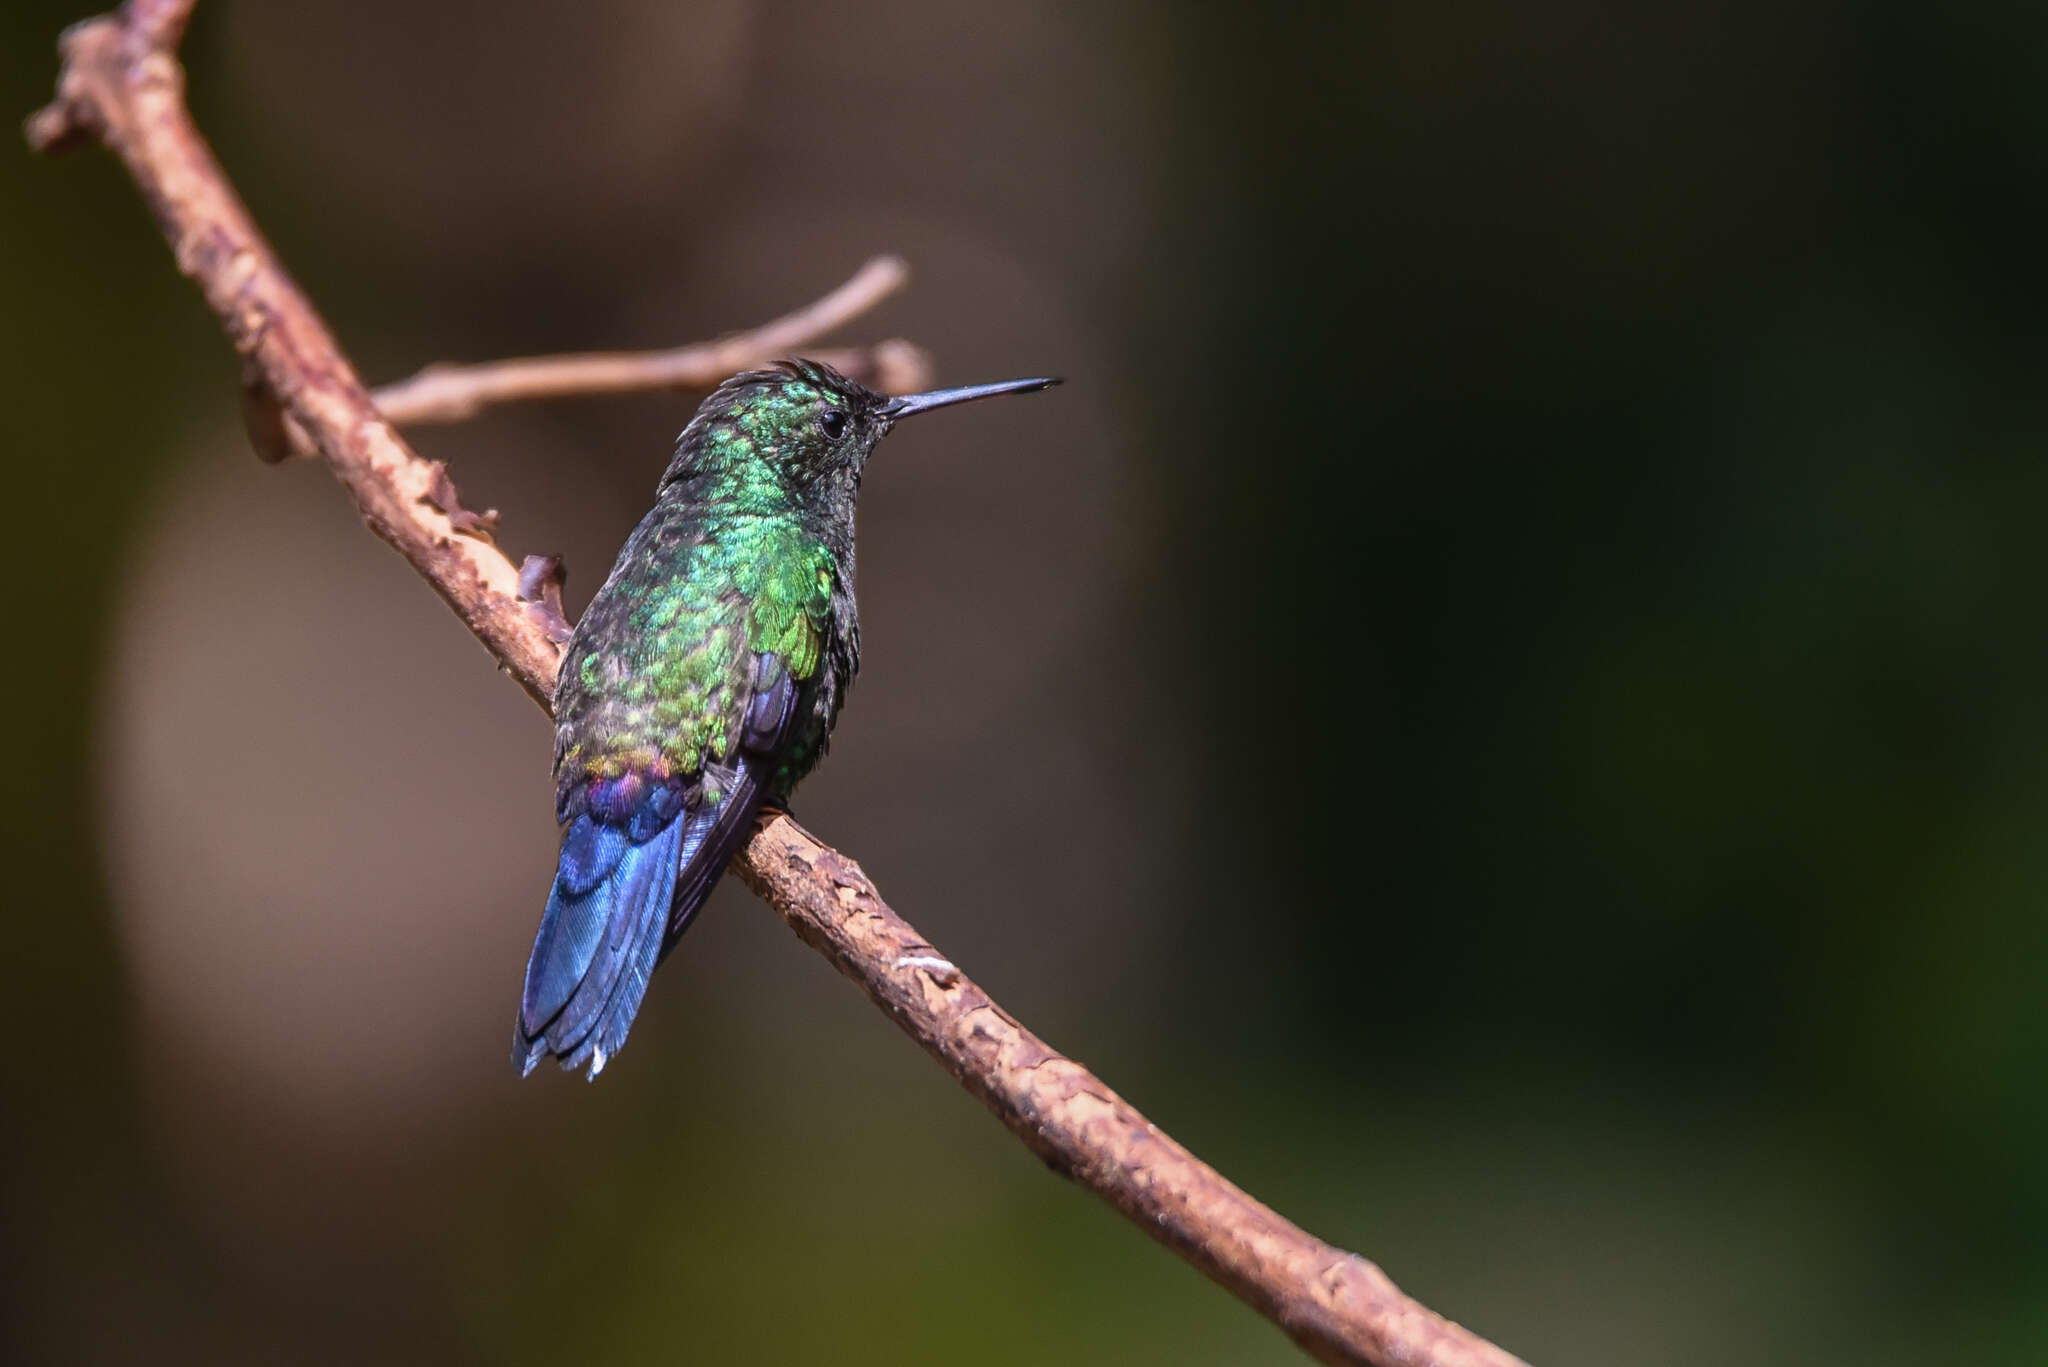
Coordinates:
(121, 83)
(446, 393)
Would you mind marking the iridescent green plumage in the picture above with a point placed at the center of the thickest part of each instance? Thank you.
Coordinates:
(658, 679)
(703, 680)
(735, 559)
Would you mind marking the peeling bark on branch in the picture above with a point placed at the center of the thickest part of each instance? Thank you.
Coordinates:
(122, 85)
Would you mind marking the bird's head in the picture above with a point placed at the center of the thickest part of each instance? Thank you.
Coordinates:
(804, 426)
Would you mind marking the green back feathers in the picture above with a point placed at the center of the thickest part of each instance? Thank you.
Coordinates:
(747, 551)
(663, 684)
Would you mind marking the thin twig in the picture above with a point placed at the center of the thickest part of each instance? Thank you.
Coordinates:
(450, 393)
(447, 392)
(121, 83)
(157, 25)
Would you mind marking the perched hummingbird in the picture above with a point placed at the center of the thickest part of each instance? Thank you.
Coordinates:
(701, 684)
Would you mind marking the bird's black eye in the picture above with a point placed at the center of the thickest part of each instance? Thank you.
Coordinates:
(832, 422)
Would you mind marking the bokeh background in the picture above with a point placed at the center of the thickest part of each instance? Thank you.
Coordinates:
(1505, 704)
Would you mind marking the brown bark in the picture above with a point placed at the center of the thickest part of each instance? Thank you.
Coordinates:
(121, 84)
(451, 393)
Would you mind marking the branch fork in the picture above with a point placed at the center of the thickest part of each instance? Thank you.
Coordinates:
(121, 85)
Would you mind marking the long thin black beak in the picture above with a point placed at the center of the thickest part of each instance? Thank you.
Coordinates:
(908, 404)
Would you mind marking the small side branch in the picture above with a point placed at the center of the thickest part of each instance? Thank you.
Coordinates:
(448, 393)
(451, 393)
(121, 84)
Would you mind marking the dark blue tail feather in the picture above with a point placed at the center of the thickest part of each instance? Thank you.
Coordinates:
(588, 940)
(644, 883)
(617, 905)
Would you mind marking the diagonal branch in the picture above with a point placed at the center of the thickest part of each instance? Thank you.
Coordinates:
(121, 84)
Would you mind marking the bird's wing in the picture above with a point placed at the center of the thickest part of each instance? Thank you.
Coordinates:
(774, 701)
(787, 603)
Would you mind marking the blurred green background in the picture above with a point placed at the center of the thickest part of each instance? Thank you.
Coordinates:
(1504, 704)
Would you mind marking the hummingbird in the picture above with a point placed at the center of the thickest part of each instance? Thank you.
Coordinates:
(702, 684)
